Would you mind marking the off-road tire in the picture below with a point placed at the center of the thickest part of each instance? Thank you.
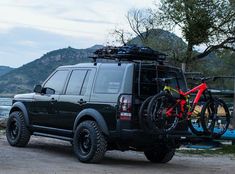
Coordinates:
(159, 154)
(97, 142)
(156, 125)
(17, 132)
(143, 114)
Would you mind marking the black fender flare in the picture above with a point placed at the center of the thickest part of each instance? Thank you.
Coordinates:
(20, 106)
(95, 115)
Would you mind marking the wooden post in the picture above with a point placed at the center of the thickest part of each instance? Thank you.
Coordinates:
(233, 116)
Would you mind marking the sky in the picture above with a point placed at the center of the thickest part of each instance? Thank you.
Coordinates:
(30, 28)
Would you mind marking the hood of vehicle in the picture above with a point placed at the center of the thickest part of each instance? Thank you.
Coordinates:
(24, 96)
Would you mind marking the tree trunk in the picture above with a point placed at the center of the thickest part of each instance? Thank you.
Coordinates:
(188, 56)
(183, 67)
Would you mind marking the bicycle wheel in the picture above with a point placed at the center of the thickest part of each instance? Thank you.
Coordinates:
(143, 114)
(157, 119)
(215, 117)
(194, 122)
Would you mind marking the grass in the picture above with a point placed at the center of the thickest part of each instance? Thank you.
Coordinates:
(224, 150)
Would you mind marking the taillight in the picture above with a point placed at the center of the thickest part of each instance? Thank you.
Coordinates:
(125, 107)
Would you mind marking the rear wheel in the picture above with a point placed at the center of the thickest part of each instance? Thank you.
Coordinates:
(157, 108)
(215, 117)
(89, 143)
(16, 132)
(159, 154)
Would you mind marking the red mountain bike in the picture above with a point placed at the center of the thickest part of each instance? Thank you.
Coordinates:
(164, 110)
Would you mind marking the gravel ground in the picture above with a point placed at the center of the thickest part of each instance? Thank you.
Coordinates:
(48, 156)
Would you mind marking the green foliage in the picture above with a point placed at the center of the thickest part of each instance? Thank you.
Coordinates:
(209, 22)
(193, 16)
(224, 150)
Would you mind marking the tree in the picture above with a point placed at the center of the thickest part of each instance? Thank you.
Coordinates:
(211, 23)
(121, 36)
(141, 23)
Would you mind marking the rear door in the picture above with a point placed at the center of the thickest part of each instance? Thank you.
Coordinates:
(108, 86)
(75, 97)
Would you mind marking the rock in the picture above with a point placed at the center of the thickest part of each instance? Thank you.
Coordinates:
(3, 122)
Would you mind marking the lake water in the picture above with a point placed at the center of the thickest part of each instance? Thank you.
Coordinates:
(5, 105)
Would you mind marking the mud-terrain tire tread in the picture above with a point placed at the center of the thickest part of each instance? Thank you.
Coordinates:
(24, 134)
(100, 143)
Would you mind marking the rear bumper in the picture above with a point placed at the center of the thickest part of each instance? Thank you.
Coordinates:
(140, 135)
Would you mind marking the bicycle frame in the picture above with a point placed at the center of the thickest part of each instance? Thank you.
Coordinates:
(183, 99)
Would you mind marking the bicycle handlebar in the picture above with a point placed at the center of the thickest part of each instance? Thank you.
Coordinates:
(164, 80)
(202, 79)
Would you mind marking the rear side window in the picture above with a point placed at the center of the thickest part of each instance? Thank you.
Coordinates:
(76, 82)
(149, 86)
(176, 76)
(109, 79)
(57, 81)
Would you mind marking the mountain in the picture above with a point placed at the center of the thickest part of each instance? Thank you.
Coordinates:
(24, 78)
(163, 41)
(175, 48)
(5, 70)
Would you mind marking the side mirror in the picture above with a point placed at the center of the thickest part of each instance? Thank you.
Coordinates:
(48, 91)
(37, 89)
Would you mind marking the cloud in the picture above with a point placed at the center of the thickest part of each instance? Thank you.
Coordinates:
(65, 17)
(22, 45)
(29, 28)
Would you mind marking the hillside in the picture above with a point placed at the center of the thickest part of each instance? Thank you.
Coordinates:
(163, 41)
(23, 79)
(175, 47)
(5, 70)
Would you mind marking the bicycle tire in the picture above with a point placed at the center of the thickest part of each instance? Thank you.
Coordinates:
(157, 121)
(198, 130)
(219, 121)
(143, 114)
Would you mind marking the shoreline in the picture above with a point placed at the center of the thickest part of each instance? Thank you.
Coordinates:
(7, 95)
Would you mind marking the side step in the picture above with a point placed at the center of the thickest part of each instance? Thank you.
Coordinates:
(53, 136)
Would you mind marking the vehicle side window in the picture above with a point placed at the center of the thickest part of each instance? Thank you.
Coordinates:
(173, 82)
(84, 86)
(57, 81)
(109, 80)
(76, 82)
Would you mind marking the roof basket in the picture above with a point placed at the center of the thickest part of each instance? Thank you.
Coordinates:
(129, 53)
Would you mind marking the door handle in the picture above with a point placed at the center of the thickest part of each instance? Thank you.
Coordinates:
(81, 101)
(53, 100)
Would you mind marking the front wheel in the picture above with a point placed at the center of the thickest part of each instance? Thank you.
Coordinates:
(194, 122)
(215, 117)
(17, 132)
(89, 143)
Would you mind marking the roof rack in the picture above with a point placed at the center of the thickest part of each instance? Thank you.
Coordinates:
(128, 53)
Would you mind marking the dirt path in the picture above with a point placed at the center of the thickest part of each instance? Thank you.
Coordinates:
(49, 156)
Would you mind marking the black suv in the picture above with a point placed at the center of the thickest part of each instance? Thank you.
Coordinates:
(96, 107)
